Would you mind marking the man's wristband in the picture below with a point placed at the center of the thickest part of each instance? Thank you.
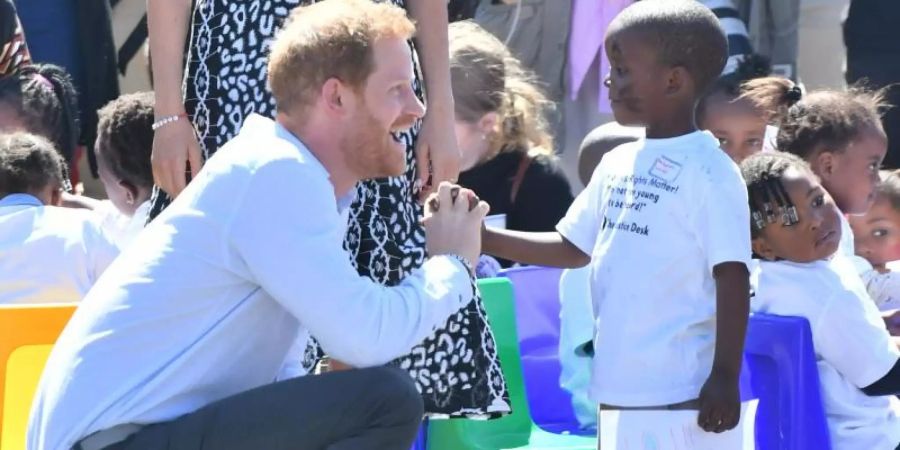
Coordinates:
(465, 262)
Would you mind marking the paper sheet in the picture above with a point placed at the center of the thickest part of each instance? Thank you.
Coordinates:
(672, 430)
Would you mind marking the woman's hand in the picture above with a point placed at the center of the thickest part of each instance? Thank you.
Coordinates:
(437, 152)
(175, 147)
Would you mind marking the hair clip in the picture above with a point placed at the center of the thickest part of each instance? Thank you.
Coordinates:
(769, 212)
(789, 216)
(794, 94)
(758, 221)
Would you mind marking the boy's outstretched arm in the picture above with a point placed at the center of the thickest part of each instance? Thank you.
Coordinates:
(543, 249)
(720, 399)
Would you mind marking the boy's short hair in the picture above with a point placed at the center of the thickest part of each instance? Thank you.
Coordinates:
(684, 32)
(28, 164)
(125, 138)
(332, 39)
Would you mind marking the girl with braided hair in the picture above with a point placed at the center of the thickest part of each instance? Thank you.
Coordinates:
(796, 231)
(41, 99)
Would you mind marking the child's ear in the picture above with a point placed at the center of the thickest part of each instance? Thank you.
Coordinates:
(824, 164)
(132, 191)
(762, 248)
(56, 197)
(678, 80)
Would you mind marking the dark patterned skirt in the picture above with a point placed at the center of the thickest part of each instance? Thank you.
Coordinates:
(456, 369)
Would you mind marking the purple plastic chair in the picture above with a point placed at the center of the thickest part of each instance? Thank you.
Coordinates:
(536, 290)
(780, 370)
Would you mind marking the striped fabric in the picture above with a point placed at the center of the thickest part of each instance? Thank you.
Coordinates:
(739, 44)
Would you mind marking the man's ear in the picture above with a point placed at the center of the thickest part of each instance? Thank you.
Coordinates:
(333, 95)
(762, 249)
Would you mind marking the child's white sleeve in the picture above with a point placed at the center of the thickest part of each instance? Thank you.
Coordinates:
(851, 336)
(884, 288)
(581, 225)
(101, 251)
(723, 220)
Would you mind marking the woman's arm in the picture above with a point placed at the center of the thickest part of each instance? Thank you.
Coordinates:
(436, 147)
(175, 144)
(544, 249)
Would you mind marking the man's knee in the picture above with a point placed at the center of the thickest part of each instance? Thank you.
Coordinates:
(396, 394)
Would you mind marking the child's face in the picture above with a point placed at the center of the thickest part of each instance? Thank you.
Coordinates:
(851, 176)
(739, 128)
(116, 190)
(877, 233)
(636, 79)
(817, 234)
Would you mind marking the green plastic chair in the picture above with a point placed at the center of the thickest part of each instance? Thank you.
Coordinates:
(516, 430)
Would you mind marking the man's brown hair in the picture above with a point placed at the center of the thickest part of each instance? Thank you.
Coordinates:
(330, 39)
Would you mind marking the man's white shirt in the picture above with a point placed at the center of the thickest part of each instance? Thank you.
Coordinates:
(207, 302)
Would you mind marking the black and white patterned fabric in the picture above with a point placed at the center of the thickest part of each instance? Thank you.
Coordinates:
(456, 369)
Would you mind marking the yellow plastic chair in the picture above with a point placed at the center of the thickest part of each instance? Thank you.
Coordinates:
(27, 334)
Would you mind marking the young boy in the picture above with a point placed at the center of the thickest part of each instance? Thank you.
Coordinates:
(123, 147)
(48, 254)
(663, 222)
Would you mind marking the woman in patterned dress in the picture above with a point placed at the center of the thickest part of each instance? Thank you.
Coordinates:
(224, 80)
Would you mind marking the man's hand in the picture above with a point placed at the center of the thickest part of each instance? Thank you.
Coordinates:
(720, 403)
(174, 146)
(453, 218)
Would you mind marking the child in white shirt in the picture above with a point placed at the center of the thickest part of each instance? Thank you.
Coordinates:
(663, 224)
(124, 144)
(796, 233)
(877, 239)
(839, 133)
(48, 254)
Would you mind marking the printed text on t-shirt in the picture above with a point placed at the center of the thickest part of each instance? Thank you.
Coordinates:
(634, 193)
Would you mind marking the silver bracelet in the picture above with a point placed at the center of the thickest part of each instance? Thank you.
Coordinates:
(167, 120)
(465, 262)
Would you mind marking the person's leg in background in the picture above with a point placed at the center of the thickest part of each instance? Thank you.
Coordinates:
(821, 57)
(373, 409)
(872, 40)
(774, 32)
(877, 71)
(579, 117)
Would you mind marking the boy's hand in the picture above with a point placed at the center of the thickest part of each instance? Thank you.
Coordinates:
(720, 403)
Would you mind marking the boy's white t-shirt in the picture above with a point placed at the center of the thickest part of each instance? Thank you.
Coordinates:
(49, 254)
(657, 216)
(119, 227)
(853, 348)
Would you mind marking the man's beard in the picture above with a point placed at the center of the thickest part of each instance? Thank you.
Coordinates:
(370, 150)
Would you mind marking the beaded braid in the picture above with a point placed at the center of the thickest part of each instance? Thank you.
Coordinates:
(768, 198)
(44, 98)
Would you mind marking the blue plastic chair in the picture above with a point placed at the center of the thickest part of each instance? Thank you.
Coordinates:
(420, 443)
(536, 291)
(780, 370)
